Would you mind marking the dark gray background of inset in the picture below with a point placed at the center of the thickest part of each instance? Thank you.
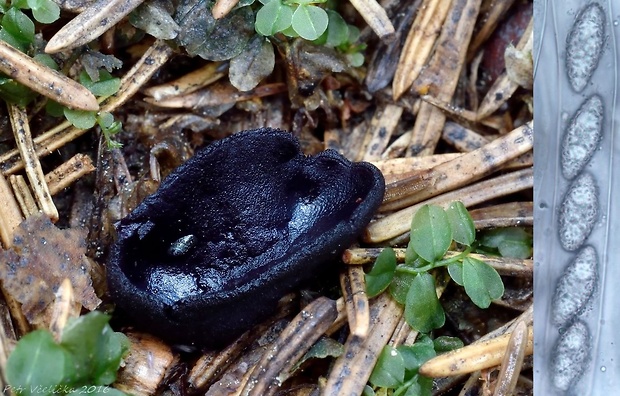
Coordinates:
(555, 103)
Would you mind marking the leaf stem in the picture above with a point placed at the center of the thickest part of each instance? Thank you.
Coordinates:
(403, 388)
(441, 263)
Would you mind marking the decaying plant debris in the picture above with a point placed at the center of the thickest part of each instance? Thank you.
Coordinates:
(439, 123)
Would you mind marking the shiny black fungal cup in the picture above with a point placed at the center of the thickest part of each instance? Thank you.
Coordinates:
(243, 222)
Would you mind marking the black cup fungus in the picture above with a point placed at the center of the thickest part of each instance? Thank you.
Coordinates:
(228, 233)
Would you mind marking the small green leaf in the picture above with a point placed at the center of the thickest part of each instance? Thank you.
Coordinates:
(113, 144)
(54, 109)
(389, 372)
(354, 34)
(492, 238)
(410, 254)
(416, 355)
(446, 344)
(355, 60)
(110, 127)
(290, 32)
(274, 17)
(399, 288)
(431, 234)
(515, 249)
(106, 86)
(13, 41)
(14, 92)
(81, 119)
(114, 128)
(456, 273)
(322, 38)
(18, 25)
(463, 229)
(513, 242)
(423, 387)
(509, 235)
(82, 337)
(309, 21)
(337, 29)
(36, 363)
(112, 347)
(105, 119)
(44, 11)
(46, 60)
(23, 4)
(97, 350)
(482, 283)
(368, 391)
(423, 311)
(323, 348)
(382, 272)
(424, 339)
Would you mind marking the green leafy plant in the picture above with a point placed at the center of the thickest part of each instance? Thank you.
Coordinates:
(88, 119)
(397, 368)
(303, 18)
(105, 86)
(44, 11)
(323, 348)
(433, 231)
(246, 34)
(293, 18)
(18, 30)
(507, 242)
(84, 361)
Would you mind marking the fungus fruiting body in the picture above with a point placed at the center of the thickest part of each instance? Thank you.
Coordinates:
(228, 233)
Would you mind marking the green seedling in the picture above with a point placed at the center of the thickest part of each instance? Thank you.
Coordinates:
(433, 231)
(396, 372)
(18, 30)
